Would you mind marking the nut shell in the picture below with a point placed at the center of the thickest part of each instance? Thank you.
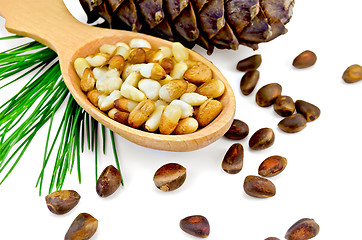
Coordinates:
(249, 64)
(305, 228)
(259, 187)
(83, 227)
(292, 124)
(305, 59)
(61, 202)
(272, 166)
(169, 177)
(262, 139)
(196, 225)
(308, 110)
(267, 95)
(238, 130)
(284, 106)
(249, 81)
(352, 74)
(108, 182)
(233, 159)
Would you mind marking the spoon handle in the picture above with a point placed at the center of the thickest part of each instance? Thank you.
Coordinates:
(46, 21)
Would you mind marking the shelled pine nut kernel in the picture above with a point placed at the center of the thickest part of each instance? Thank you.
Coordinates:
(157, 90)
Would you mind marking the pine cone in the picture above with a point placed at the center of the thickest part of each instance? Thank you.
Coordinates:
(208, 23)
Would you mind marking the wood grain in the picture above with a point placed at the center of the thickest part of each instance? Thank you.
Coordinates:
(49, 22)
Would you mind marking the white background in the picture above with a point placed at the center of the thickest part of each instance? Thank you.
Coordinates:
(321, 181)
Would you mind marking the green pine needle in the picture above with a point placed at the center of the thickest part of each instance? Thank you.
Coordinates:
(36, 104)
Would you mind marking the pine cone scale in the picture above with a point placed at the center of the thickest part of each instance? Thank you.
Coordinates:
(209, 23)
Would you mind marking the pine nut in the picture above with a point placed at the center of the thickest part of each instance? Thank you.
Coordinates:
(139, 43)
(178, 70)
(169, 119)
(150, 88)
(187, 109)
(154, 120)
(132, 93)
(107, 102)
(108, 48)
(179, 52)
(194, 99)
(80, 64)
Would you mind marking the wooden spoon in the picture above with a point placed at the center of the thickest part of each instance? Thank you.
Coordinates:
(50, 23)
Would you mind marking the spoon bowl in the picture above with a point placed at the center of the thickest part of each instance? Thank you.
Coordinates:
(56, 28)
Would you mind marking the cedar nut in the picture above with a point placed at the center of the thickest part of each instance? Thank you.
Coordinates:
(83, 227)
(169, 177)
(61, 202)
(108, 182)
(259, 187)
(238, 130)
(233, 159)
(262, 139)
(305, 59)
(249, 64)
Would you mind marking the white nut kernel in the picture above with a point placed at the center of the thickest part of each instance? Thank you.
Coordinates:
(124, 45)
(150, 88)
(129, 68)
(166, 51)
(187, 109)
(98, 60)
(186, 126)
(133, 79)
(146, 70)
(169, 119)
(100, 73)
(108, 48)
(107, 102)
(123, 50)
(139, 43)
(107, 80)
(179, 52)
(158, 56)
(194, 99)
(178, 70)
(132, 93)
(154, 120)
(160, 102)
(80, 64)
